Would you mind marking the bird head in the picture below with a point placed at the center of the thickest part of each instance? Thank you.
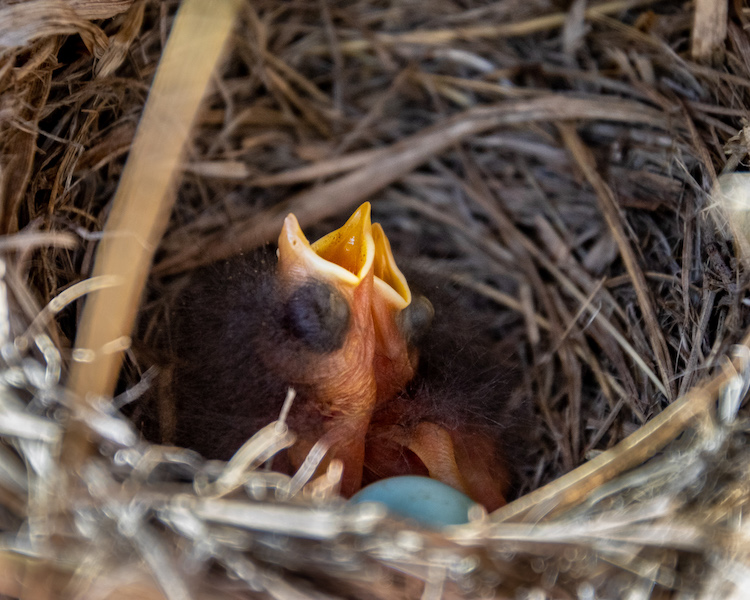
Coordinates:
(327, 289)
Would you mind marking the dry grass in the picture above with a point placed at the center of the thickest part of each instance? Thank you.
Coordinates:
(558, 165)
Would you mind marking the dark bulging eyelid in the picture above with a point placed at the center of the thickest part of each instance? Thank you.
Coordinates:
(318, 315)
(415, 320)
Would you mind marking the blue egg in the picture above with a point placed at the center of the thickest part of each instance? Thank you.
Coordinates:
(428, 501)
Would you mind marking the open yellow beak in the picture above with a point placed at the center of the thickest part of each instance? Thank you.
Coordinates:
(344, 256)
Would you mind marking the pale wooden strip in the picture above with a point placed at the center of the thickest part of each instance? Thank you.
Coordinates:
(146, 193)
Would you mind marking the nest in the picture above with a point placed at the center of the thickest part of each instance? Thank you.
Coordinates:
(577, 171)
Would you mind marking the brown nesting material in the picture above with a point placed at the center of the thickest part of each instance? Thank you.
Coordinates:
(574, 169)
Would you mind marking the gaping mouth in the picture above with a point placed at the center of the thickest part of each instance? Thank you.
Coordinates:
(345, 256)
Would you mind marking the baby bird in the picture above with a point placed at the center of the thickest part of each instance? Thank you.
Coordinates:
(389, 389)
